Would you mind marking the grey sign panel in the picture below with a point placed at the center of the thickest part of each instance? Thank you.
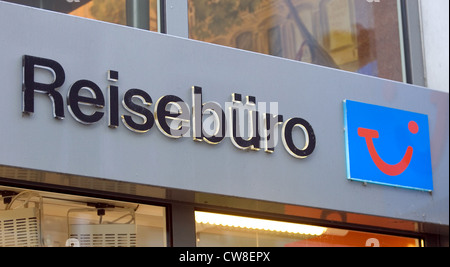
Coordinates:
(162, 65)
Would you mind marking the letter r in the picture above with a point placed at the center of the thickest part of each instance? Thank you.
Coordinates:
(30, 86)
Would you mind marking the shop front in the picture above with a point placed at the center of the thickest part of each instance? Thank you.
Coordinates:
(116, 136)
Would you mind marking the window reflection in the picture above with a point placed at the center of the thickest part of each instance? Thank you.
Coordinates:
(357, 36)
(112, 11)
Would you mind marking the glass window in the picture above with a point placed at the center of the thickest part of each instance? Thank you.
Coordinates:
(357, 36)
(113, 11)
(32, 218)
(219, 230)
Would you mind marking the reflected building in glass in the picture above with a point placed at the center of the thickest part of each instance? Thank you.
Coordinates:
(349, 35)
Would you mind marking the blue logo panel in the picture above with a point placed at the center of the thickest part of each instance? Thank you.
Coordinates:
(387, 146)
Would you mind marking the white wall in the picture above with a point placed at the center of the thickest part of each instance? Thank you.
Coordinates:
(435, 21)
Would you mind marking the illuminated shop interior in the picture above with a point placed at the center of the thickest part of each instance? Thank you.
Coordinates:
(33, 218)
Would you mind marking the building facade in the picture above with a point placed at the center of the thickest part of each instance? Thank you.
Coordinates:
(223, 123)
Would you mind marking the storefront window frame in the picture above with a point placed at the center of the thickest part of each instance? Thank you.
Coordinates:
(97, 194)
(412, 42)
(180, 208)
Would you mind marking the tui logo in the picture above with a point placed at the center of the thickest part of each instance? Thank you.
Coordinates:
(387, 146)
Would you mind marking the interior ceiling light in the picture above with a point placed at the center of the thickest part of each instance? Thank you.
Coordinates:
(257, 224)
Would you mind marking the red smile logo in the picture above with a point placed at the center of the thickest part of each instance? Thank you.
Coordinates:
(388, 169)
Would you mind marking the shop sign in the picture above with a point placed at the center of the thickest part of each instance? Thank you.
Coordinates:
(387, 146)
(171, 114)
